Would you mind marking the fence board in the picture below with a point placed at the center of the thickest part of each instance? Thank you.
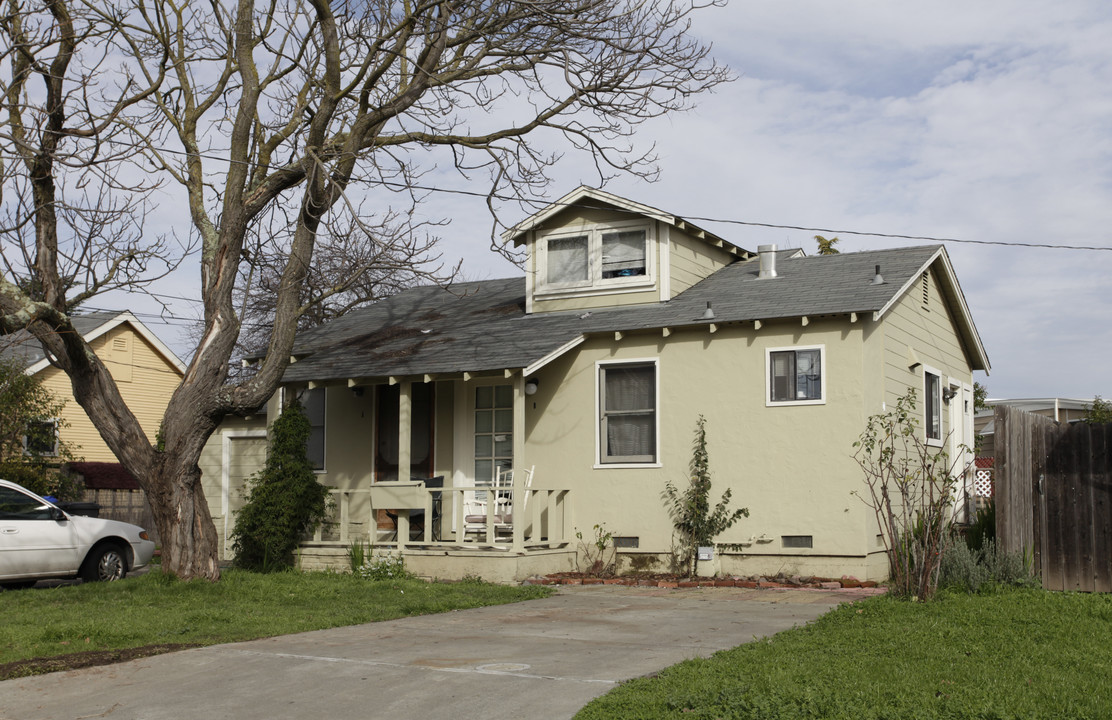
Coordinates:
(125, 505)
(1102, 510)
(1054, 497)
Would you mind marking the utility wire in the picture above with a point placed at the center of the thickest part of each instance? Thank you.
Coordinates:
(727, 221)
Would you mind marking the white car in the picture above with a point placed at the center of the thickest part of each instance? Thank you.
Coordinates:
(39, 540)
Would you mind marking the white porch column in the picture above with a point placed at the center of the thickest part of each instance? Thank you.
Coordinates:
(519, 464)
(405, 429)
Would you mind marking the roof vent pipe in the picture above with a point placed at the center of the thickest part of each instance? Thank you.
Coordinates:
(768, 261)
(708, 314)
(878, 279)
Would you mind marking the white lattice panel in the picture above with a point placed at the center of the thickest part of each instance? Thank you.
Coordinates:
(982, 482)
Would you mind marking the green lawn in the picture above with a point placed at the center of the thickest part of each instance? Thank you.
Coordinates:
(157, 609)
(1019, 654)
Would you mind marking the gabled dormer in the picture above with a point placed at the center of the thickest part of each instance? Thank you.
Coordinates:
(592, 249)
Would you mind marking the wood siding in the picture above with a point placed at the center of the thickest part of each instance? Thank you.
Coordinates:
(927, 332)
(693, 260)
(146, 381)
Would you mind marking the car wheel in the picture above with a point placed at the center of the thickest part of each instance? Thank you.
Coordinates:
(21, 585)
(105, 563)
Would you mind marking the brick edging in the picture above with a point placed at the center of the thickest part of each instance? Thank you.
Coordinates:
(752, 583)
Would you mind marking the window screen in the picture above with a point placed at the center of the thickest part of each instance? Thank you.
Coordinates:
(628, 408)
(313, 403)
(567, 260)
(623, 254)
(933, 409)
(795, 375)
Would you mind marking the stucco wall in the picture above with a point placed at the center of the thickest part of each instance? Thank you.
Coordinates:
(791, 465)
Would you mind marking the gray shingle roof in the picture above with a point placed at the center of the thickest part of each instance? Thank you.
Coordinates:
(22, 347)
(482, 326)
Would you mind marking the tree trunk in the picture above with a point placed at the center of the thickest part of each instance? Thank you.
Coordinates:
(190, 547)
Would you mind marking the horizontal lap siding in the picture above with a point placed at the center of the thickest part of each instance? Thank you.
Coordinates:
(146, 382)
(931, 334)
(693, 260)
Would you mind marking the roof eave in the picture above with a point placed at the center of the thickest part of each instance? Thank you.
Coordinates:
(124, 317)
(967, 329)
(517, 233)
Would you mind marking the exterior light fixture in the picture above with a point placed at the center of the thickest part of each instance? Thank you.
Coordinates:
(531, 386)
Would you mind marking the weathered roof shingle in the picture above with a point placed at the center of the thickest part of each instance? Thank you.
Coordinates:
(482, 326)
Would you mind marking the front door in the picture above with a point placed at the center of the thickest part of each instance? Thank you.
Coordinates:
(494, 427)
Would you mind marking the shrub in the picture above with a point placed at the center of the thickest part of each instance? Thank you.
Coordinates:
(387, 566)
(983, 527)
(357, 555)
(44, 480)
(284, 500)
(910, 488)
(975, 571)
(598, 552)
(696, 524)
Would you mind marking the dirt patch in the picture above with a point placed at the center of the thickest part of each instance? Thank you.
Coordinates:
(91, 658)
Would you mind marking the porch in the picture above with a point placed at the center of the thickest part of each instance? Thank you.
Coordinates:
(523, 531)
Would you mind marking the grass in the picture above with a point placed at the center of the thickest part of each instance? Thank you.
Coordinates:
(1016, 655)
(156, 609)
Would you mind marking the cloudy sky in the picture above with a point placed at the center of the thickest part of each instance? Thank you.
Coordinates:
(987, 121)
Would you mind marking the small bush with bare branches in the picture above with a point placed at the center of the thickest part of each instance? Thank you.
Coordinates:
(911, 489)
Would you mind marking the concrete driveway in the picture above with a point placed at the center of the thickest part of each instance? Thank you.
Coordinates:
(539, 659)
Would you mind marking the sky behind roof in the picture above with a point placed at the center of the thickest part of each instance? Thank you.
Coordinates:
(987, 121)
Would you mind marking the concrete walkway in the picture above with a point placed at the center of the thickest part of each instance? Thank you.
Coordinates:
(539, 659)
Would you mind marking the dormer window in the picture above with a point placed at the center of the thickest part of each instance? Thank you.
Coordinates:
(601, 257)
(623, 254)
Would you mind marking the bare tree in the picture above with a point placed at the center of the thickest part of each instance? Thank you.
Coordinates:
(275, 113)
(374, 258)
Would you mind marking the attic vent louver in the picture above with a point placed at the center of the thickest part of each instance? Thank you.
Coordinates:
(878, 279)
(768, 261)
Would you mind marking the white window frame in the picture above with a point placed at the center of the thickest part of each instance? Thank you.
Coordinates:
(54, 422)
(599, 443)
(935, 441)
(595, 284)
(769, 402)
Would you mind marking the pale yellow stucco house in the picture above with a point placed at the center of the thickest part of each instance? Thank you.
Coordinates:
(592, 370)
(146, 371)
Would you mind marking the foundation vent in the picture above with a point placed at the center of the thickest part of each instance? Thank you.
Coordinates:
(797, 541)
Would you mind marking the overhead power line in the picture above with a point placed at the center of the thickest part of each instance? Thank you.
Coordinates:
(727, 221)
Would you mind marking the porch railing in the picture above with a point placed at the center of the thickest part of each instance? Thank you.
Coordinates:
(543, 521)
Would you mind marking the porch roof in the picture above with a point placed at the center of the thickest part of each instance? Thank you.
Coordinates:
(482, 326)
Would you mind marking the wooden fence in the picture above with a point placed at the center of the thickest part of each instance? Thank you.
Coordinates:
(1054, 498)
(127, 505)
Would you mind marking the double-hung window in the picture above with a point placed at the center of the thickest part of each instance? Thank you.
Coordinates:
(795, 376)
(597, 258)
(932, 405)
(627, 413)
(312, 401)
(41, 438)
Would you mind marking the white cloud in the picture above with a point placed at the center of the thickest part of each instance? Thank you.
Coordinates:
(980, 121)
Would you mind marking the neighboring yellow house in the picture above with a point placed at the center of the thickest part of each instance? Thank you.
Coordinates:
(592, 370)
(144, 368)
